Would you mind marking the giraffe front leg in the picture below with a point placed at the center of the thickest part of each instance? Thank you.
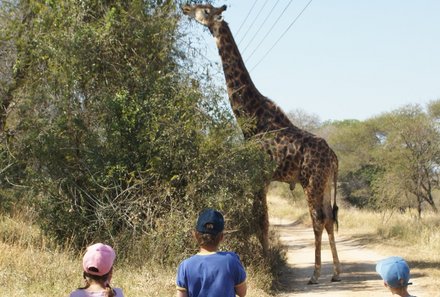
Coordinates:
(260, 207)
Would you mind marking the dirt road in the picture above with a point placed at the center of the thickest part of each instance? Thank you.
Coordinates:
(359, 277)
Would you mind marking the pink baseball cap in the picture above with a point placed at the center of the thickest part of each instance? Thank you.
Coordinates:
(98, 259)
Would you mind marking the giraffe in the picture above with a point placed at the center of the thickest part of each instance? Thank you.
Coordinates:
(300, 156)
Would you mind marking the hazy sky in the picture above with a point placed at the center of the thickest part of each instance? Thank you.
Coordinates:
(341, 59)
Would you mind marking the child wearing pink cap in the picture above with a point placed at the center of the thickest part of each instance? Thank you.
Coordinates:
(98, 267)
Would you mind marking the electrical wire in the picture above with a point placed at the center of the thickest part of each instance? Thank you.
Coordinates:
(259, 28)
(253, 22)
(270, 30)
(282, 35)
(245, 19)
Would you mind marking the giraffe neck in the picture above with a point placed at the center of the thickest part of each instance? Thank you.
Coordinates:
(245, 99)
(236, 75)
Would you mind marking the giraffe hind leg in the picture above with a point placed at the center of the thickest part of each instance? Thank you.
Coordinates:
(329, 226)
(317, 229)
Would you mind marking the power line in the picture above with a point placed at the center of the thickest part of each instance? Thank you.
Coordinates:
(256, 17)
(282, 35)
(245, 19)
(259, 28)
(270, 30)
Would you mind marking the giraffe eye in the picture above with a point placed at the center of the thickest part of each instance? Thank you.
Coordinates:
(206, 11)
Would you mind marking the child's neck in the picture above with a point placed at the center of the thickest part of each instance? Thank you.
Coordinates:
(208, 249)
(401, 292)
(95, 287)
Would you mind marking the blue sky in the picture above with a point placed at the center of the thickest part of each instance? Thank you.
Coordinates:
(342, 59)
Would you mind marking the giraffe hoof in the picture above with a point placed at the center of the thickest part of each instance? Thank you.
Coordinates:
(336, 278)
(313, 281)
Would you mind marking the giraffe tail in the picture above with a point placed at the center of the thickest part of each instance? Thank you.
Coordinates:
(335, 206)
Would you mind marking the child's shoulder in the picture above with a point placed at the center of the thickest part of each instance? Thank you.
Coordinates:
(84, 293)
(231, 254)
(77, 293)
(228, 254)
(215, 256)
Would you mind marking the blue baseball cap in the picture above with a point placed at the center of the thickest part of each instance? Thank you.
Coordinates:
(210, 221)
(394, 271)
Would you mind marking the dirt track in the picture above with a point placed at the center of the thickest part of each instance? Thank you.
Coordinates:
(359, 277)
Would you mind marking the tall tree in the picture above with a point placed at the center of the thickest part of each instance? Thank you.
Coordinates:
(409, 153)
(354, 141)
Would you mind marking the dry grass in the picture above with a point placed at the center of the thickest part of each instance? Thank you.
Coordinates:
(282, 205)
(30, 266)
(416, 240)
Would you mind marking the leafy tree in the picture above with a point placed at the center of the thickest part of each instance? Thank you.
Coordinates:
(434, 110)
(8, 78)
(409, 153)
(114, 139)
(354, 141)
(390, 161)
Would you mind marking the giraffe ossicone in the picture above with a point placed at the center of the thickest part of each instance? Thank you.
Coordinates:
(300, 156)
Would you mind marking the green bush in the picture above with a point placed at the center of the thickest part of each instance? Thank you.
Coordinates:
(116, 141)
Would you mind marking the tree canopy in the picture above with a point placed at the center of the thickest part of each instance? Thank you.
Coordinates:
(391, 160)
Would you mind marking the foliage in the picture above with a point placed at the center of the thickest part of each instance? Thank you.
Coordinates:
(356, 186)
(346, 140)
(114, 140)
(390, 161)
(434, 110)
(410, 154)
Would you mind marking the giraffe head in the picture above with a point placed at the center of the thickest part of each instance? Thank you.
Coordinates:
(205, 14)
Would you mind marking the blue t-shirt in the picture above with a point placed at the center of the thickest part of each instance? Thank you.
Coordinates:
(211, 275)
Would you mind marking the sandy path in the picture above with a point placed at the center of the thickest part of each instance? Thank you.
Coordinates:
(358, 264)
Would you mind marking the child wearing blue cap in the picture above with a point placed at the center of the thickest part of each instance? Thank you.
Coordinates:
(211, 273)
(395, 274)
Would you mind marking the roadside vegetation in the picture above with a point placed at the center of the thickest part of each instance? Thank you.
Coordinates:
(113, 129)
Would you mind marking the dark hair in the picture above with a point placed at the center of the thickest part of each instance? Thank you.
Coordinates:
(109, 292)
(206, 239)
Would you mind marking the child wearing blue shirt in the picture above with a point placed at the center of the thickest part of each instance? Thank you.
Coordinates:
(211, 273)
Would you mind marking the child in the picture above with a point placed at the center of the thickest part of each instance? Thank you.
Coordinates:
(98, 267)
(395, 273)
(211, 273)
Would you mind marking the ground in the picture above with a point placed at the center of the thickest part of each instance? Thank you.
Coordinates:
(358, 261)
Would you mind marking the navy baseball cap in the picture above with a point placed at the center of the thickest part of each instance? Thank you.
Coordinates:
(210, 221)
(394, 271)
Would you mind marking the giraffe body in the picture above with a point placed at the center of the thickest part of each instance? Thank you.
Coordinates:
(300, 156)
